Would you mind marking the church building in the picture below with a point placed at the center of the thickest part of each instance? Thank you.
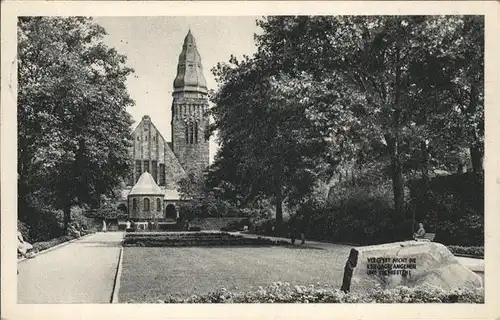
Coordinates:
(164, 162)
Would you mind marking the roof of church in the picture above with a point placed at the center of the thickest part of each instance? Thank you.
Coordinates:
(168, 194)
(189, 69)
(173, 169)
(146, 185)
(146, 120)
(171, 194)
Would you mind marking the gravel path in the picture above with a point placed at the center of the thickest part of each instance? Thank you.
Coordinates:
(80, 272)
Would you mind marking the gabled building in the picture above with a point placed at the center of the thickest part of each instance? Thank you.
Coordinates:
(168, 162)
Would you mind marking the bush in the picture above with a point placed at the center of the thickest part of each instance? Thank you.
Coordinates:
(208, 206)
(362, 216)
(471, 251)
(285, 293)
(78, 216)
(236, 225)
(465, 231)
(44, 245)
(39, 223)
(263, 227)
(453, 208)
(44, 224)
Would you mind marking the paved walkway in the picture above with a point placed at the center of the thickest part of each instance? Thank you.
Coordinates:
(475, 264)
(80, 272)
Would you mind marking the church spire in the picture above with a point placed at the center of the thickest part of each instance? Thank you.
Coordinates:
(190, 77)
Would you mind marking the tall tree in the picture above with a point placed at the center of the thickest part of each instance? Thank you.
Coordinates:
(380, 70)
(73, 128)
(268, 147)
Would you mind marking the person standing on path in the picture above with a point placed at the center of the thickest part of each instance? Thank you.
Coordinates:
(103, 225)
(297, 228)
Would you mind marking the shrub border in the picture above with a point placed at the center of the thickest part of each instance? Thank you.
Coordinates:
(468, 256)
(455, 249)
(52, 248)
(279, 292)
(308, 240)
(360, 245)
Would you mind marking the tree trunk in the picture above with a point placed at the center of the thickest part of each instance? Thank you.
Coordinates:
(67, 218)
(476, 159)
(279, 208)
(475, 152)
(425, 161)
(278, 181)
(397, 181)
(426, 183)
(397, 174)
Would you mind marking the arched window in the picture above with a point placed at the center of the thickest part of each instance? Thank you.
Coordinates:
(191, 125)
(134, 204)
(158, 204)
(195, 132)
(146, 204)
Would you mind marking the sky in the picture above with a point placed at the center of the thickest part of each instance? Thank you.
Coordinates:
(152, 46)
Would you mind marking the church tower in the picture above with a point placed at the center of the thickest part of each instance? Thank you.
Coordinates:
(189, 110)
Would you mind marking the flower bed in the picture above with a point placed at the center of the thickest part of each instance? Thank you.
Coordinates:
(176, 239)
(469, 251)
(285, 293)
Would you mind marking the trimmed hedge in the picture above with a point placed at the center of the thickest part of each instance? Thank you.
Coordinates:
(471, 251)
(285, 293)
(178, 239)
(221, 223)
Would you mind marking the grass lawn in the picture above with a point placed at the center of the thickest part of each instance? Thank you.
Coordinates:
(150, 274)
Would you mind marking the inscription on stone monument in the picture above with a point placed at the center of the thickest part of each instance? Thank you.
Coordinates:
(388, 266)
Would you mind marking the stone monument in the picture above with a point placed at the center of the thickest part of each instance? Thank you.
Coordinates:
(408, 263)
